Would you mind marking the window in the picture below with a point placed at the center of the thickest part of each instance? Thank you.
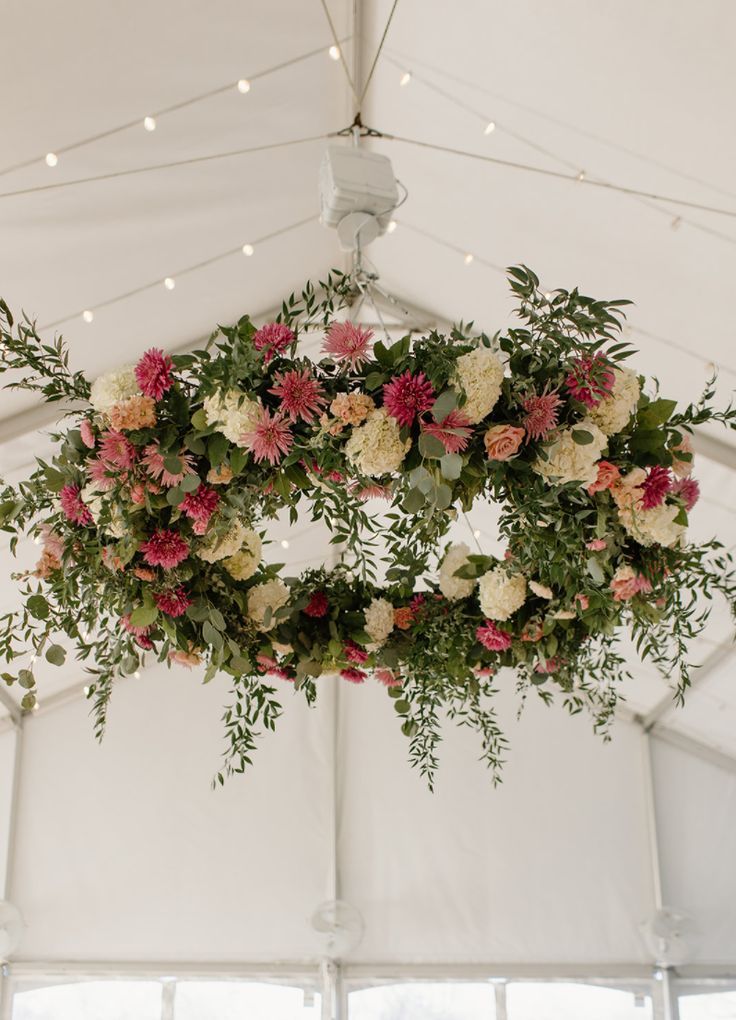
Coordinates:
(90, 1000)
(435, 1001)
(562, 1001)
(708, 1006)
(233, 1000)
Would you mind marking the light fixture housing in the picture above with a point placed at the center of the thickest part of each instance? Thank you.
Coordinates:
(358, 193)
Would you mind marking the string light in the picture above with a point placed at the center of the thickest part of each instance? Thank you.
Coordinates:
(581, 175)
(468, 259)
(36, 540)
(169, 283)
(149, 123)
(334, 52)
(243, 86)
(548, 295)
(36, 706)
(88, 315)
(405, 78)
(33, 659)
(137, 675)
(476, 533)
(248, 249)
(51, 159)
(86, 692)
(490, 127)
(284, 543)
(392, 225)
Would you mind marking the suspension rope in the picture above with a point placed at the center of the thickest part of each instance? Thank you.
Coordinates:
(336, 41)
(378, 53)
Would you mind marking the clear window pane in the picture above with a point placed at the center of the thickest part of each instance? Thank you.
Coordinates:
(424, 1002)
(234, 1000)
(90, 1000)
(710, 1006)
(548, 1001)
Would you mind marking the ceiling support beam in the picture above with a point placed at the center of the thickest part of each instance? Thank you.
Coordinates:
(666, 705)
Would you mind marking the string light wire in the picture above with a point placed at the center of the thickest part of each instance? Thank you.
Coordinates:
(345, 67)
(378, 52)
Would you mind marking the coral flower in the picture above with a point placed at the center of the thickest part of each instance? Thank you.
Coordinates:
(153, 373)
(688, 490)
(590, 380)
(200, 504)
(355, 676)
(134, 413)
(453, 431)
(408, 395)
(72, 506)
(116, 450)
(626, 583)
(317, 605)
(87, 433)
(173, 602)
(354, 653)
(608, 476)
(270, 439)
(655, 487)
(348, 344)
(273, 338)
(403, 617)
(492, 637)
(144, 574)
(153, 461)
(301, 395)
(541, 414)
(165, 549)
(131, 629)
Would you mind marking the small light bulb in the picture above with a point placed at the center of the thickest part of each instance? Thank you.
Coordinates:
(88, 315)
(51, 159)
(468, 259)
(392, 225)
(37, 706)
(284, 543)
(149, 123)
(476, 533)
(405, 78)
(248, 249)
(169, 283)
(33, 659)
(137, 675)
(490, 127)
(548, 295)
(581, 175)
(36, 540)
(86, 692)
(334, 52)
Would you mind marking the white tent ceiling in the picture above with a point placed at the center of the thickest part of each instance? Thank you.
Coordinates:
(554, 867)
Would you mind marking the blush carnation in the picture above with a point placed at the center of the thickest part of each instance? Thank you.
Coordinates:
(153, 373)
(87, 433)
(492, 637)
(116, 450)
(72, 506)
(388, 678)
(590, 380)
(173, 602)
(348, 344)
(596, 545)
(453, 431)
(272, 339)
(626, 583)
(688, 490)
(540, 416)
(200, 504)
(317, 605)
(134, 413)
(301, 395)
(355, 676)
(408, 395)
(655, 487)
(270, 437)
(165, 549)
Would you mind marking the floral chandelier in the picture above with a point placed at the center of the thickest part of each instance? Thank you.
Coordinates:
(154, 513)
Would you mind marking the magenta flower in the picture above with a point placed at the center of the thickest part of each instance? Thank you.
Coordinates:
(408, 395)
(153, 373)
(453, 431)
(590, 380)
(301, 395)
(144, 642)
(688, 490)
(173, 602)
(164, 549)
(273, 338)
(347, 343)
(354, 653)
(317, 605)
(270, 439)
(87, 433)
(73, 506)
(200, 504)
(541, 414)
(492, 637)
(355, 676)
(388, 678)
(655, 487)
(153, 461)
(116, 450)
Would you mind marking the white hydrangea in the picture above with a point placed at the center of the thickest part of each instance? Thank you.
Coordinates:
(231, 414)
(269, 595)
(379, 620)
(501, 593)
(244, 563)
(568, 461)
(613, 413)
(215, 548)
(480, 375)
(92, 499)
(113, 387)
(655, 526)
(376, 448)
(452, 587)
(96, 504)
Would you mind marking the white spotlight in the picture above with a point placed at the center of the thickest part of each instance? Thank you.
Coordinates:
(51, 159)
(468, 259)
(248, 249)
(88, 315)
(490, 127)
(334, 52)
(405, 78)
(149, 123)
(169, 283)
(392, 225)
(243, 86)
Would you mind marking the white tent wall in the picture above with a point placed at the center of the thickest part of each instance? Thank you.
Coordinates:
(8, 739)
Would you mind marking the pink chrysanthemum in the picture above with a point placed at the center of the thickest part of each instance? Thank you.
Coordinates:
(153, 373)
(590, 380)
(269, 665)
(153, 461)
(73, 507)
(347, 343)
(273, 338)
(165, 549)
(408, 395)
(270, 439)
(87, 433)
(317, 605)
(173, 602)
(655, 487)
(373, 491)
(301, 395)
(541, 414)
(387, 678)
(116, 450)
(131, 629)
(354, 653)
(688, 490)
(453, 431)
(200, 504)
(492, 637)
(355, 676)
(417, 602)
(144, 642)
(103, 475)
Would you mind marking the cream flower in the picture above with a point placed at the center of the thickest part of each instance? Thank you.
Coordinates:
(480, 375)
(568, 461)
(231, 414)
(379, 620)
(501, 593)
(244, 563)
(452, 587)
(215, 548)
(542, 590)
(376, 448)
(613, 413)
(113, 387)
(269, 595)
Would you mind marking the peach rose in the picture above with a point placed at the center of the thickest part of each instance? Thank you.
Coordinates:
(403, 618)
(532, 631)
(503, 441)
(626, 583)
(608, 475)
(188, 659)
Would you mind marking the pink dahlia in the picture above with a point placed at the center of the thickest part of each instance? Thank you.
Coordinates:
(116, 450)
(492, 637)
(655, 487)
(131, 629)
(153, 373)
(453, 431)
(154, 463)
(540, 414)
(354, 653)
(355, 676)
(270, 439)
(273, 338)
(200, 504)
(87, 433)
(173, 602)
(590, 380)
(144, 642)
(73, 507)
(317, 605)
(301, 395)
(688, 490)
(371, 491)
(408, 395)
(165, 549)
(103, 475)
(348, 343)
